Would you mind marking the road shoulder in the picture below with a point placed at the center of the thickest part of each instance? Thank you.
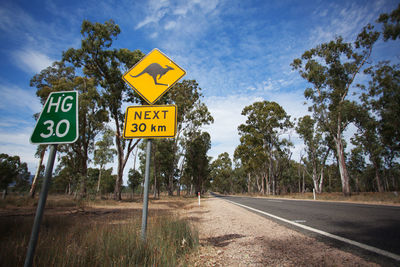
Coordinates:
(233, 236)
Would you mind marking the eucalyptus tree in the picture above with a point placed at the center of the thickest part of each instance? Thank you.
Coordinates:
(192, 115)
(367, 138)
(391, 24)
(134, 179)
(103, 153)
(12, 170)
(197, 168)
(357, 166)
(265, 125)
(221, 173)
(60, 77)
(253, 158)
(316, 148)
(98, 61)
(378, 119)
(331, 69)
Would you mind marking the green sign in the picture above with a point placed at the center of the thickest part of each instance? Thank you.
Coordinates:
(58, 122)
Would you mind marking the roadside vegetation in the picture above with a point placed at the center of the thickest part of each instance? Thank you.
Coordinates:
(75, 233)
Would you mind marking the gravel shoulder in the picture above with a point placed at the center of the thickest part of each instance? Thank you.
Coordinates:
(233, 236)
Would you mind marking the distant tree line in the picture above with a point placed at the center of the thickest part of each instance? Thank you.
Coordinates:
(331, 69)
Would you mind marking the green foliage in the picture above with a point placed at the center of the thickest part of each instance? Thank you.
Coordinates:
(391, 24)
(103, 153)
(192, 115)
(107, 181)
(262, 150)
(331, 69)
(197, 162)
(382, 97)
(134, 179)
(12, 170)
(317, 150)
(60, 77)
(222, 174)
(105, 65)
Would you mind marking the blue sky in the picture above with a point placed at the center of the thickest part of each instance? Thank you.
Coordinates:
(238, 51)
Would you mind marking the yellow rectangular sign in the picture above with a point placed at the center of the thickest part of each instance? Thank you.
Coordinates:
(150, 122)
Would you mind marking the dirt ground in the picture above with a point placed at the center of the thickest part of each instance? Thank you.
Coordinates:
(229, 235)
(233, 236)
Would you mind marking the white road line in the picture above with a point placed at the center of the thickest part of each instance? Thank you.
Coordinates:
(348, 241)
(271, 200)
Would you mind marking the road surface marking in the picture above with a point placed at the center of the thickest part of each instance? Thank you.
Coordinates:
(279, 201)
(345, 240)
(299, 221)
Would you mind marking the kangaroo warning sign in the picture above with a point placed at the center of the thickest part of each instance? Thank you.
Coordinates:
(152, 76)
(150, 122)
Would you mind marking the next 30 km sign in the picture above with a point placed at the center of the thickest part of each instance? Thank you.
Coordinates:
(150, 122)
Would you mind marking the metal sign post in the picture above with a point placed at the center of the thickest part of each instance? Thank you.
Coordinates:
(40, 208)
(146, 190)
(57, 124)
(151, 78)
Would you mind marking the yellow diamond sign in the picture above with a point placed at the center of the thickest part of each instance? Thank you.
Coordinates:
(152, 76)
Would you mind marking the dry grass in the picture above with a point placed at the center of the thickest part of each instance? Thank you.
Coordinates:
(95, 233)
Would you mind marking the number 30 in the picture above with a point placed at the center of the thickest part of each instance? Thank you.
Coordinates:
(51, 127)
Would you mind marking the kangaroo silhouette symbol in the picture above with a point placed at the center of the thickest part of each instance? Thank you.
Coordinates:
(154, 70)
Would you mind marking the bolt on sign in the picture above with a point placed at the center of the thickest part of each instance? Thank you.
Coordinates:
(58, 122)
(152, 76)
(150, 122)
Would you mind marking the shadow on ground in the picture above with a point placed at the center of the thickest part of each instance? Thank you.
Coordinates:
(223, 240)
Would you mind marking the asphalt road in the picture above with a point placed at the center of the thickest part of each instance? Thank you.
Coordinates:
(377, 226)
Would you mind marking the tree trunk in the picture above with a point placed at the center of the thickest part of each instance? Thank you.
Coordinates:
(99, 181)
(321, 181)
(171, 185)
(121, 165)
(258, 183)
(344, 176)
(298, 172)
(118, 183)
(155, 173)
(315, 177)
(377, 178)
(34, 182)
(263, 185)
(248, 183)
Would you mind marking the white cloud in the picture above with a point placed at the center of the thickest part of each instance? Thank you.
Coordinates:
(15, 99)
(157, 9)
(346, 21)
(170, 25)
(35, 33)
(16, 142)
(227, 117)
(31, 61)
